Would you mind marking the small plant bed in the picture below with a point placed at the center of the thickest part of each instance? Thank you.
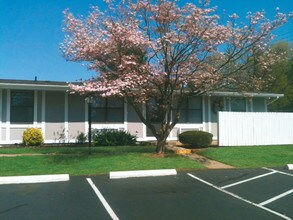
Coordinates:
(251, 157)
(78, 161)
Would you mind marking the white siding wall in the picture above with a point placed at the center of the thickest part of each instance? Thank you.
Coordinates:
(251, 128)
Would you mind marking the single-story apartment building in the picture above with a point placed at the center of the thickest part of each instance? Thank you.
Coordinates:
(62, 116)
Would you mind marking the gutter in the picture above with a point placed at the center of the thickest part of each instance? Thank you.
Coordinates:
(34, 86)
(247, 94)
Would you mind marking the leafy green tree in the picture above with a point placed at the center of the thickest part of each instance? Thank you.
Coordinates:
(282, 73)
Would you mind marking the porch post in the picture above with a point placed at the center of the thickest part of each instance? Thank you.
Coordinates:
(1, 103)
(209, 114)
(90, 124)
(8, 103)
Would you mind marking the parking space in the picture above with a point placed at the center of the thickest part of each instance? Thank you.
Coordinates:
(283, 205)
(179, 197)
(263, 188)
(268, 189)
(211, 194)
(65, 200)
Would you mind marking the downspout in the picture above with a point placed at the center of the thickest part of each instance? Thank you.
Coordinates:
(267, 104)
(276, 98)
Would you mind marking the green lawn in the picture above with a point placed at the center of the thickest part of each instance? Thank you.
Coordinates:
(256, 156)
(77, 161)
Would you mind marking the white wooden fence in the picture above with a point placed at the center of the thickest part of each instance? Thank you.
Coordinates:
(253, 128)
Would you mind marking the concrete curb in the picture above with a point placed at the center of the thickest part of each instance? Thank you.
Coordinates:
(141, 173)
(33, 179)
(290, 166)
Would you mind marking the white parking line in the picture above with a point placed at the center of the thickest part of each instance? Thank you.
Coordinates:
(240, 198)
(276, 197)
(288, 174)
(103, 200)
(253, 178)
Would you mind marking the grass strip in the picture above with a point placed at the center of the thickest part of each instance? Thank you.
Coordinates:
(251, 157)
(77, 161)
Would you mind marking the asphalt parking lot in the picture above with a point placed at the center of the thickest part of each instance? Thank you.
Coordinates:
(210, 194)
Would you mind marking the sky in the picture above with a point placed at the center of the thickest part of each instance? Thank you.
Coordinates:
(31, 33)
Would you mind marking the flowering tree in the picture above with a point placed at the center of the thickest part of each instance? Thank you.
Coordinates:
(156, 53)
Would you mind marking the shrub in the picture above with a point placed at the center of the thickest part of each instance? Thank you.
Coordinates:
(81, 138)
(32, 137)
(196, 138)
(111, 137)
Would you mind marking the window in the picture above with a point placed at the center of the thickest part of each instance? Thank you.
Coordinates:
(152, 111)
(191, 110)
(108, 110)
(22, 107)
(238, 105)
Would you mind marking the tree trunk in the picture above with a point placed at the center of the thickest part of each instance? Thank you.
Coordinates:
(161, 144)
